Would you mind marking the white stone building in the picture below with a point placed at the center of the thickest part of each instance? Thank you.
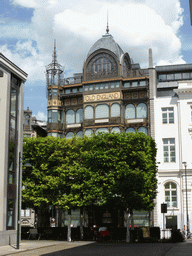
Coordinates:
(172, 133)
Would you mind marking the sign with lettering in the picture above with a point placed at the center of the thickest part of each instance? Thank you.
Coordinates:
(102, 97)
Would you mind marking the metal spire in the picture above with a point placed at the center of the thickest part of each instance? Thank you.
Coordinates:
(54, 55)
(107, 29)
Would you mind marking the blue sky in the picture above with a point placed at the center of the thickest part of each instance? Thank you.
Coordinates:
(28, 29)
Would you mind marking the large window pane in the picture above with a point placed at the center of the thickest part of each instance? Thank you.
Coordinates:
(102, 111)
(143, 129)
(89, 112)
(115, 130)
(130, 129)
(171, 194)
(141, 110)
(70, 117)
(79, 115)
(69, 135)
(80, 134)
(130, 111)
(54, 116)
(88, 132)
(102, 130)
(115, 110)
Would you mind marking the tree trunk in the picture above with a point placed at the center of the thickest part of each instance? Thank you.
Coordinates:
(81, 224)
(69, 226)
(128, 227)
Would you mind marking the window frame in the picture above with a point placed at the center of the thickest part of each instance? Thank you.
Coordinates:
(167, 111)
(170, 195)
(168, 151)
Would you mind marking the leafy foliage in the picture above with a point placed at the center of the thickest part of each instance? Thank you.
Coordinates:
(107, 168)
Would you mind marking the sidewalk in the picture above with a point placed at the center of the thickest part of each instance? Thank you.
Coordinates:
(39, 247)
(115, 248)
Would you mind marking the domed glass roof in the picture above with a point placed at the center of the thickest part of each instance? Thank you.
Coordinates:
(106, 42)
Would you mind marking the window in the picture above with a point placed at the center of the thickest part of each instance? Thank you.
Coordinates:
(10, 213)
(67, 91)
(97, 87)
(102, 111)
(54, 116)
(115, 130)
(86, 88)
(60, 116)
(102, 64)
(171, 194)
(102, 130)
(89, 112)
(88, 132)
(70, 117)
(69, 135)
(74, 90)
(80, 134)
(127, 84)
(170, 77)
(54, 91)
(130, 129)
(143, 129)
(79, 116)
(130, 111)
(141, 110)
(27, 120)
(169, 150)
(167, 115)
(25, 213)
(134, 84)
(142, 83)
(115, 110)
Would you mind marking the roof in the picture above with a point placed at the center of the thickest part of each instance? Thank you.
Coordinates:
(106, 42)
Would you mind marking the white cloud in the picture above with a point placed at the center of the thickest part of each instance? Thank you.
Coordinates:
(24, 3)
(136, 25)
(41, 117)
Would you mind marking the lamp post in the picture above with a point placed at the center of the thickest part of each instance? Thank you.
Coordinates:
(187, 217)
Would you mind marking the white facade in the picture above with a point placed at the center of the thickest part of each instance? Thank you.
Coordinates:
(11, 137)
(173, 130)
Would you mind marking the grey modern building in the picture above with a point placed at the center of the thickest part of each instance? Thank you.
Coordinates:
(12, 80)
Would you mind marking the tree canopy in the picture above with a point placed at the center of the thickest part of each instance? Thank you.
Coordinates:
(106, 168)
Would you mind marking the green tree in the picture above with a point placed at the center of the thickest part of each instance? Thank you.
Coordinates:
(116, 169)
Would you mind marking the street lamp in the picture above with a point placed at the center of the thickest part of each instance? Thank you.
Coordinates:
(187, 217)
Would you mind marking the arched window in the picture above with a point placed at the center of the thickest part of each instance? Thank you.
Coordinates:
(171, 194)
(102, 111)
(70, 117)
(69, 135)
(115, 130)
(102, 64)
(102, 130)
(27, 119)
(141, 110)
(79, 116)
(80, 134)
(115, 110)
(143, 129)
(130, 129)
(89, 112)
(130, 111)
(88, 132)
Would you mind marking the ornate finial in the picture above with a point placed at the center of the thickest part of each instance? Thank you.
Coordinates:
(107, 30)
